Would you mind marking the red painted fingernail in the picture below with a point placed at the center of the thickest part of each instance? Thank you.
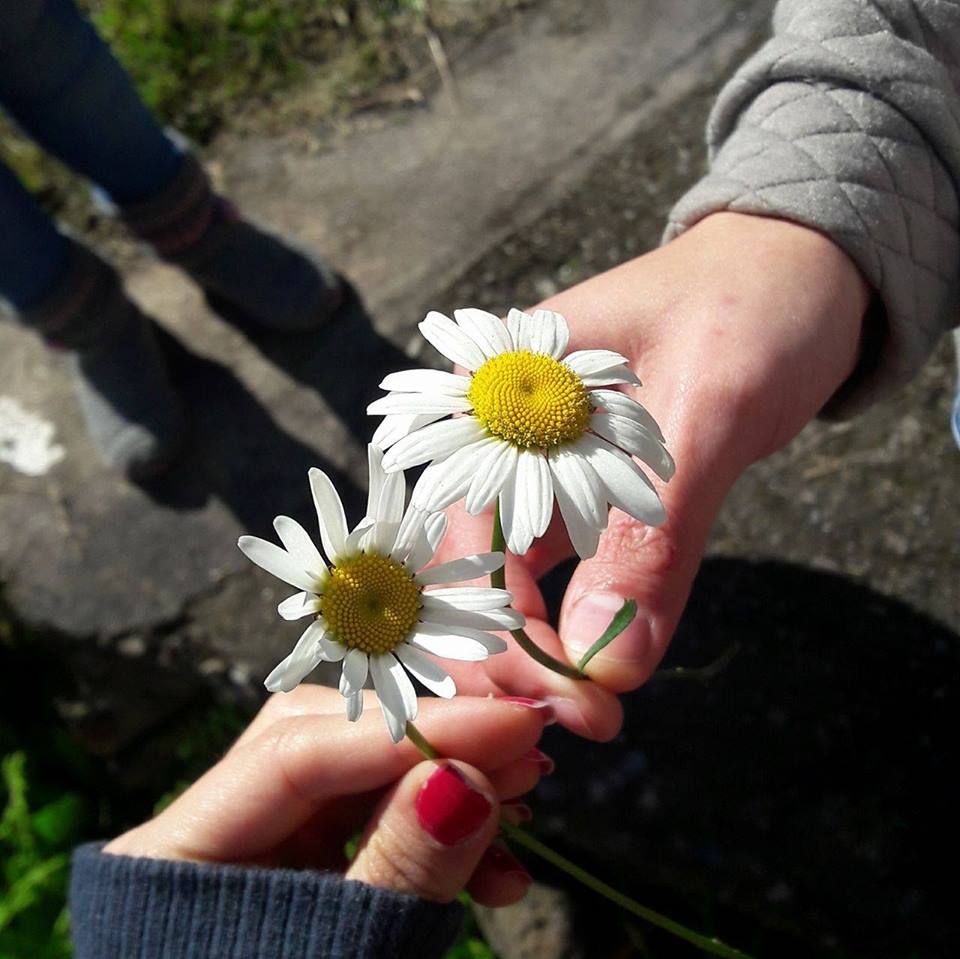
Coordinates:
(505, 863)
(549, 713)
(546, 764)
(517, 812)
(449, 807)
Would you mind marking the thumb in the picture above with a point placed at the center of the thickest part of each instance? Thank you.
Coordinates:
(430, 832)
(654, 566)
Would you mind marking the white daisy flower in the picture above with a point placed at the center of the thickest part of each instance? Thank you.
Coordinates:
(529, 424)
(371, 609)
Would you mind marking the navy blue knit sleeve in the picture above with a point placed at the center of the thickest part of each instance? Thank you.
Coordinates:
(127, 908)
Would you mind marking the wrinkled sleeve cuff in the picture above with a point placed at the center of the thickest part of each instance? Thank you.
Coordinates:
(850, 165)
(129, 908)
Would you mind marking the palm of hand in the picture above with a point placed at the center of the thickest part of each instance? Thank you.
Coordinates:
(740, 330)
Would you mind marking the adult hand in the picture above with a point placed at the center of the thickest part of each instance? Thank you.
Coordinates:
(740, 330)
(301, 781)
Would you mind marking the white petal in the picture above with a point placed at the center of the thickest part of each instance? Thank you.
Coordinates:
(394, 403)
(611, 377)
(393, 428)
(396, 725)
(492, 620)
(459, 570)
(300, 663)
(636, 440)
(582, 529)
(519, 329)
(398, 699)
(494, 471)
(330, 515)
(433, 442)
(448, 645)
(581, 484)
(296, 540)
(627, 487)
(409, 535)
(430, 535)
(613, 401)
(354, 673)
(516, 532)
(427, 381)
(333, 652)
(585, 362)
(392, 496)
(299, 605)
(435, 528)
(451, 341)
(541, 330)
(534, 492)
(601, 368)
(477, 598)
(554, 333)
(486, 330)
(355, 707)
(277, 561)
(381, 538)
(448, 480)
(376, 475)
(424, 669)
(431, 633)
(356, 540)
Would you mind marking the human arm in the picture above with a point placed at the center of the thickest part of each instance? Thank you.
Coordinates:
(250, 862)
(839, 139)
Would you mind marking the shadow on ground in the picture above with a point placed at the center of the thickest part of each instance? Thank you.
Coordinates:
(802, 796)
(238, 452)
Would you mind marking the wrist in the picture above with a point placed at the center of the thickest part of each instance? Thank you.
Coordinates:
(796, 255)
(791, 305)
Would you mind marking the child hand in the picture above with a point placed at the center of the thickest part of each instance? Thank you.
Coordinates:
(741, 330)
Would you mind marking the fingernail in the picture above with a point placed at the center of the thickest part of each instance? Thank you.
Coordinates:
(450, 808)
(568, 713)
(517, 812)
(547, 710)
(589, 620)
(506, 863)
(546, 764)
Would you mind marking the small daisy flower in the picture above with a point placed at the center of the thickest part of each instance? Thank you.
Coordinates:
(529, 424)
(370, 609)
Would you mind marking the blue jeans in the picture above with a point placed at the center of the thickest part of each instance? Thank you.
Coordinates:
(63, 86)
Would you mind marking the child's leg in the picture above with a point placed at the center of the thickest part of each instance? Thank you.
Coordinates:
(66, 89)
(33, 252)
(62, 84)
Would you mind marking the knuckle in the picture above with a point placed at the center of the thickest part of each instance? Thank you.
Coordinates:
(393, 862)
(281, 743)
(630, 548)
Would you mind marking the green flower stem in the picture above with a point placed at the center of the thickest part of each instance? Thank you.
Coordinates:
(534, 845)
(421, 742)
(498, 579)
(706, 943)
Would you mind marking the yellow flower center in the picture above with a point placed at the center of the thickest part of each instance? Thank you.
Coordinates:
(370, 602)
(530, 400)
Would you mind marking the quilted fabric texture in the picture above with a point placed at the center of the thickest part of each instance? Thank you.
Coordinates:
(848, 120)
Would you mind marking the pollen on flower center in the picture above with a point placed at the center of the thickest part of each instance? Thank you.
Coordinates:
(370, 603)
(530, 400)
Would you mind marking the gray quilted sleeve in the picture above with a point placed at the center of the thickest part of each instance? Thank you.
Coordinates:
(848, 121)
